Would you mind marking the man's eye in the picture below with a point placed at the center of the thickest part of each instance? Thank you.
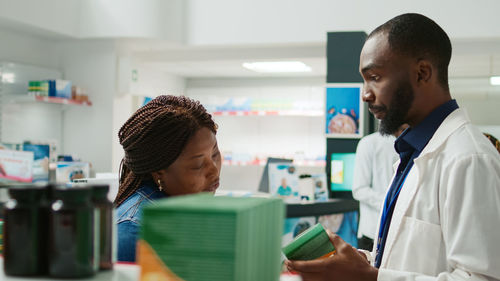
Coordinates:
(374, 78)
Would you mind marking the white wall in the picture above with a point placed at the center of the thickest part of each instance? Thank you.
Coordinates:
(55, 16)
(27, 49)
(217, 22)
(150, 82)
(88, 131)
(133, 18)
(282, 21)
(97, 19)
(482, 110)
(34, 58)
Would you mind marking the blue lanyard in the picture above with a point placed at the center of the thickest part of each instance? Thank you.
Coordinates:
(385, 212)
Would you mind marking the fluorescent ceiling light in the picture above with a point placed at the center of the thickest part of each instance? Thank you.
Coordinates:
(277, 66)
(8, 77)
(495, 80)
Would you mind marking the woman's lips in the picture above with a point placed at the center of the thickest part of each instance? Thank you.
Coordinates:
(213, 186)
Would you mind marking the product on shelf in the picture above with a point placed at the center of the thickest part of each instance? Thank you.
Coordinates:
(16, 165)
(70, 171)
(58, 91)
(311, 244)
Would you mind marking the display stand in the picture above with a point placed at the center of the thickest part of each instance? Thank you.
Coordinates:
(332, 206)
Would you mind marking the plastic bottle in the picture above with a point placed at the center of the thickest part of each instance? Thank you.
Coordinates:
(104, 221)
(25, 219)
(71, 233)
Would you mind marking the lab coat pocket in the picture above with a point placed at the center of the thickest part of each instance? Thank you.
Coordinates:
(417, 247)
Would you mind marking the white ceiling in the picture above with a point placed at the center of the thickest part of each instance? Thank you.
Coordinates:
(233, 68)
(473, 62)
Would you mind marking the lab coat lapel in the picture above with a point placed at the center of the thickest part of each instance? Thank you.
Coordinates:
(455, 120)
(406, 194)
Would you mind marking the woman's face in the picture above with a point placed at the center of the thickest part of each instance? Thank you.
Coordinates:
(197, 168)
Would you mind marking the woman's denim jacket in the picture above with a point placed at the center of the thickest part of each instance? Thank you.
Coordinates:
(129, 215)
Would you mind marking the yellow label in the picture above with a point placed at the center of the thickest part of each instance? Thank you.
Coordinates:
(152, 267)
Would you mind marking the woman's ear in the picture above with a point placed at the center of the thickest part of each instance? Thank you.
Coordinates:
(158, 175)
(158, 178)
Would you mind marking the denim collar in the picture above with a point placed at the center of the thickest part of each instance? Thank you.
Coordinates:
(150, 190)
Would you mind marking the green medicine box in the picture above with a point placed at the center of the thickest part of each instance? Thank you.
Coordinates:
(311, 244)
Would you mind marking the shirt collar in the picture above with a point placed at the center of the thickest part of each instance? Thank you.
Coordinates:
(416, 138)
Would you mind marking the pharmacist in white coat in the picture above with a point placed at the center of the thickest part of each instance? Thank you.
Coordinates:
(373, 171)
(441, 216)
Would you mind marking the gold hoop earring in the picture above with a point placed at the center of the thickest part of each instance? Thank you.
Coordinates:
(159, 185)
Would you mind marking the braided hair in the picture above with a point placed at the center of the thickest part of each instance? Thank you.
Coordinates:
(155, 135)
(494, 141)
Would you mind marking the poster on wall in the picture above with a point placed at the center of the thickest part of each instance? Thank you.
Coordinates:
(344, 114)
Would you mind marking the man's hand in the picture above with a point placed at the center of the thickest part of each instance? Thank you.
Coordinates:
(347, 264)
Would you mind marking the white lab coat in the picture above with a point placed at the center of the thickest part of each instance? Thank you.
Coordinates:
(373, 170)
(446, 222)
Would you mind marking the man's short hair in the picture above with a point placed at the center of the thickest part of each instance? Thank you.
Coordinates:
(418, 36)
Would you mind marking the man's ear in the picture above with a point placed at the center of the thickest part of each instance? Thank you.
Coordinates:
(425, 71)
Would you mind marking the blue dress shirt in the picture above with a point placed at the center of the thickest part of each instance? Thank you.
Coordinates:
(409, 145)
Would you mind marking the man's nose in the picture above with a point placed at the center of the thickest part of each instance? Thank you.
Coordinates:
(367, 95)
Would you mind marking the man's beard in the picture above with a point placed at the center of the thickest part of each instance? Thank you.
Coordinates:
(398, 109)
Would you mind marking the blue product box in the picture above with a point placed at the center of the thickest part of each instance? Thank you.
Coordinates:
(63, 88)
(51, 86)
(41, 153)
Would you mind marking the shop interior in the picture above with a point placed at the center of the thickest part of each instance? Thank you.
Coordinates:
(120, 54)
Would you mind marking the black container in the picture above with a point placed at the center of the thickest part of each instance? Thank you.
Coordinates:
(24, 231)
(71, 233)
(103, 223)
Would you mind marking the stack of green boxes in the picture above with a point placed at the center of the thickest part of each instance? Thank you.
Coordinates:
(202, 237)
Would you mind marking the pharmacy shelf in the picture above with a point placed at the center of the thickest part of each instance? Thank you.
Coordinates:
(62, 100)
(262, 162)
(312, 113)
(25, 98)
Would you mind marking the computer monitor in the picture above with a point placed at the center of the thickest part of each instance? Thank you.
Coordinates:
(342, 171)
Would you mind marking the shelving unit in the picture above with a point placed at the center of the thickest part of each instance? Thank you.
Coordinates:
(262, 162)
(269, 113)
(27, 117)
(61, 100)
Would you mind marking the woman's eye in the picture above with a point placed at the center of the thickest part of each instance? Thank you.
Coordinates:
(198, 167)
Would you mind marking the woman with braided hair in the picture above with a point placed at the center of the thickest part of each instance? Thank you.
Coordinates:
(170, 149)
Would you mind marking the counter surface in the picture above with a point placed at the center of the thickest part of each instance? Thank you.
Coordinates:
(121, 272)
